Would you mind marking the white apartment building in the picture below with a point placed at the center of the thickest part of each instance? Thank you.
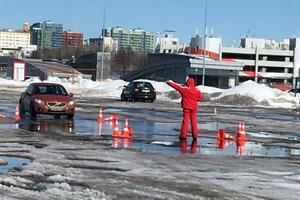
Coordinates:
(16, 40)
(168, 43)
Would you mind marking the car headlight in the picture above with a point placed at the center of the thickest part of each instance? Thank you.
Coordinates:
(71, 103)
(38, 101)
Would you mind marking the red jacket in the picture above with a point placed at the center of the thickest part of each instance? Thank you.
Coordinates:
(189, 93)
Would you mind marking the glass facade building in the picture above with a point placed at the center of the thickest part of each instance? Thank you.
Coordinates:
(47, 35)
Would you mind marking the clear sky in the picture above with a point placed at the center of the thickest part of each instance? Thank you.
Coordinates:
(230, 19)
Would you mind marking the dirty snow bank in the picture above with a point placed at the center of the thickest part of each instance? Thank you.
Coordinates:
(262, 94)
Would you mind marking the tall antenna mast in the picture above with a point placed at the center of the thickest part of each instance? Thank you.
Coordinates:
(204, 43)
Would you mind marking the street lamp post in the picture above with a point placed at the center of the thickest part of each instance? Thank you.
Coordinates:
(102, 56)
(204, 43)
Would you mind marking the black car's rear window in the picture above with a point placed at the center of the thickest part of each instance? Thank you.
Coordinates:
(50, 89)
(143, 85)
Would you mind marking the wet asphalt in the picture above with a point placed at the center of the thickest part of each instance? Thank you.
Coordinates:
(156, 126)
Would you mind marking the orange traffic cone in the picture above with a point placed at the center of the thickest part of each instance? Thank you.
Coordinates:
(241, 135)
(116, 131)
(126, 130)
(2, 116)
(17, 113)
(100, 115)
(240, 147)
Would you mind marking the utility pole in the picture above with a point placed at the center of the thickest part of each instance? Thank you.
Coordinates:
(204, 43)
(102, 56)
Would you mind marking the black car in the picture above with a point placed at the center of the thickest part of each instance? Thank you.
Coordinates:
(295, 91)
(138, 90)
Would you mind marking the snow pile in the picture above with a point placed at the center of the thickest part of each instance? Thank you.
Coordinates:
(263, 94)
(256, 94)
(84, 87)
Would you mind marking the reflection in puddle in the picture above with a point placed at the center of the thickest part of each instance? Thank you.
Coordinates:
(121, 142)
(47, 126)
(12, 162)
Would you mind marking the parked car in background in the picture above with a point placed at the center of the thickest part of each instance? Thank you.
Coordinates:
(138, 90)
(295, 92)
(47, 98)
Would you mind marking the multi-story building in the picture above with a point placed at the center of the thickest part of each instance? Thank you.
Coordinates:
(168, 43)
(47, 34)
(16, 41)
(264, 60)
(137, 39)
(94, 42)
(72, 39)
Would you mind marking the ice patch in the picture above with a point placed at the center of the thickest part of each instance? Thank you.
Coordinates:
(277, 173)
(293, 186)
(163, 143)
(267, 135)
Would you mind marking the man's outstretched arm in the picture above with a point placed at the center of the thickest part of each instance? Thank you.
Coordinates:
(174, 85)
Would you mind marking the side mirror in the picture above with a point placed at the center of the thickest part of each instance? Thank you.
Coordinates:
(71, 94)
(28, 93)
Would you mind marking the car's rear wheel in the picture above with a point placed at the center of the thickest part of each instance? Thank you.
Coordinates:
(131, 98)
(123, 98)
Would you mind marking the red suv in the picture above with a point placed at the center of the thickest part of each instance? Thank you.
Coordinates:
(47, 98)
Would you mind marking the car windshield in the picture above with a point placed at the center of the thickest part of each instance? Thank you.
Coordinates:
(143, 85)
(50, 89)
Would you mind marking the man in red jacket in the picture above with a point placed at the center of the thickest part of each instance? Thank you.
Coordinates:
(189, 102)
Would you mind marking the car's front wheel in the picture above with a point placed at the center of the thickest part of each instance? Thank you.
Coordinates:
(32, 112)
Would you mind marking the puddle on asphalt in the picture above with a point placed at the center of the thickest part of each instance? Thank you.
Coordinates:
(158, 137)
(12, 162)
